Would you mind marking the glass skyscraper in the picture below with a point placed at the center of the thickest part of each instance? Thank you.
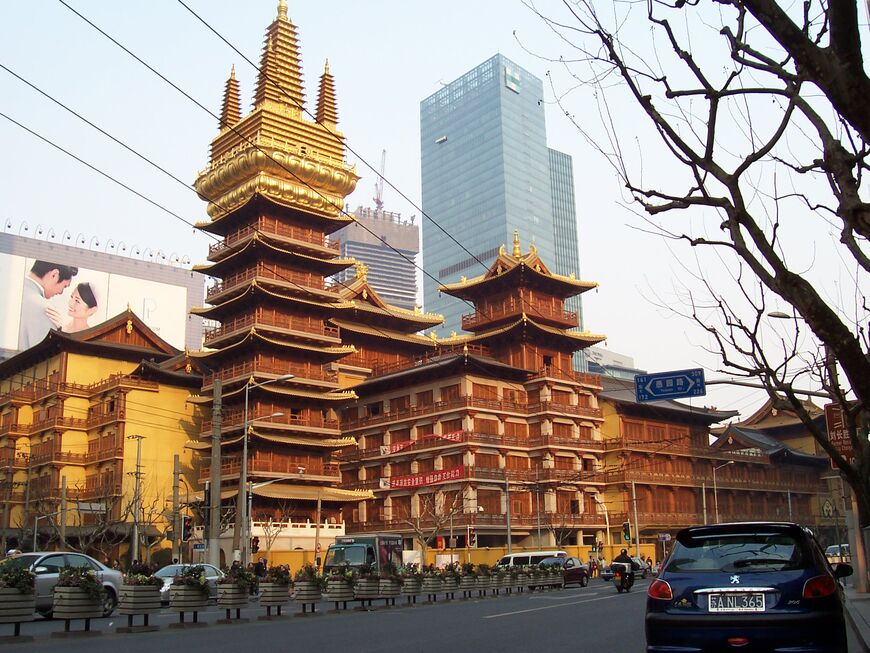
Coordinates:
(487, 171)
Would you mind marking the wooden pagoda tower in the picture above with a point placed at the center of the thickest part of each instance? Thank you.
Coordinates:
(275, 187)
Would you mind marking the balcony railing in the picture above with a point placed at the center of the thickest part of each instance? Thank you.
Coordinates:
(469, 437)
(296, 233)
(105, 448)
(442, 352)
(554, 372)
(262, 271)
(241, 370)
(236, 418)
(312, 469)
(515, 307)
(316, 327)
(469, 402)
(671, 446)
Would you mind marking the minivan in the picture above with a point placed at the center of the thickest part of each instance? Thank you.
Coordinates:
(529, 558)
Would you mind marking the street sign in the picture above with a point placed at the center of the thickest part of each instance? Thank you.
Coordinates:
(664, 537)
(838, 433)
(199, 546)
(670, 385)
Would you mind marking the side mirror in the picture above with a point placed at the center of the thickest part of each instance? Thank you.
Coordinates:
(841, 570)
(44, 570)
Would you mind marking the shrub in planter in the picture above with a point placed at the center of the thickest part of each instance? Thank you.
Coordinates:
(412, 579)
(140, 594)
(308, 584)
(189, 590)
(234, 588)
(78, 594)
(366, 583)
(339, 585)
(17, 598)
(275, 586)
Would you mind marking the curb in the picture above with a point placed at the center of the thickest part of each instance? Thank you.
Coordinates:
(855, 628)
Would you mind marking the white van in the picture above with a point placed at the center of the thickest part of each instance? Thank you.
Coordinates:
(529, 558)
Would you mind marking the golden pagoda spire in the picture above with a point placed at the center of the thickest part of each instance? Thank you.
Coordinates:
(280, 79)
(326, 110)
(517, 251)
(231, 111)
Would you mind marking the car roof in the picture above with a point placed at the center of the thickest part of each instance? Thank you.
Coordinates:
(735, 528)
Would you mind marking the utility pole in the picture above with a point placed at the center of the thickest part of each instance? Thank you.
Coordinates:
(137, 497)
(704, 500)
(636, 529)
(176, 530)
(214, 509)
(317, 532)
(538, 505)
(62, 513)
(507, 503)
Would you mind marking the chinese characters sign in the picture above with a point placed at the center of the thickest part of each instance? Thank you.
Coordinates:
(670, 385)
(453, 436)
(426, 478)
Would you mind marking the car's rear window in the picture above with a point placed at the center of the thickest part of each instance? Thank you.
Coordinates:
(729, 552)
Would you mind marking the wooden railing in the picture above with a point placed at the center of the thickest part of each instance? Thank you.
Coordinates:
(287, 231)
(279, 321)
(517, 307)
(236, 418)
(247, 369)
(310, 469)
(264, 271)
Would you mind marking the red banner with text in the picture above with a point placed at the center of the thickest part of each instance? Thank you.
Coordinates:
(426, 478)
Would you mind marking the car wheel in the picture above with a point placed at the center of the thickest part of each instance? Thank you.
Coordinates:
(584, 581)
(110, 601)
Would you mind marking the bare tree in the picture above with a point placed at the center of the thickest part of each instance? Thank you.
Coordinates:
(273, 523)
(760, 116)
(436, 510)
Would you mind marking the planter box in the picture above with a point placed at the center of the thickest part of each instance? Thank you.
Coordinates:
(484, 582)
(412, 586)
(467, 583)
(522, 581)
(367, 588)
(74, 603)
(184, 598)
(139, 599)
(339, 590)
(450, 583)
(273, 594)
(389, 587)
(431, 584)
(231, 596)
(307, 591)
(15, 606)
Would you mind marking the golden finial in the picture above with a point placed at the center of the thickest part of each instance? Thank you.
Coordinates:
(361, 270)
(326, 67)
(572, 276)
(233, 71)
(282, 9)
(433, 336)
(501, 250)
(416, 309)
(533, 249)
(463, 279)
(517, 251)
(453, 334)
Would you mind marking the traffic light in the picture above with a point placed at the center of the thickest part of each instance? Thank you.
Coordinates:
(626, 531)
(255, 544)
(186, 528)
(471, 537)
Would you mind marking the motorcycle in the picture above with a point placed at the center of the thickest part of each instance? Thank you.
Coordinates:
(623, 576)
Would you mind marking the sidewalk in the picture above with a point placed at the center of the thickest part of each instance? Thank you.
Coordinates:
(858, 614)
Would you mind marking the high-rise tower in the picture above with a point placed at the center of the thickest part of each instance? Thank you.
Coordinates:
(486, 172)
(275, 187)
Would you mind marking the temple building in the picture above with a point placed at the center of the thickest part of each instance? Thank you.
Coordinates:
(275, 187)
(82, 416)
(488, 431)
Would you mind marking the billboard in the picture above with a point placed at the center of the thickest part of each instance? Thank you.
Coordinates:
(51, 294)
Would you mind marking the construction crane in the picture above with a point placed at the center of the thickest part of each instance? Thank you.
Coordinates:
(379, 184)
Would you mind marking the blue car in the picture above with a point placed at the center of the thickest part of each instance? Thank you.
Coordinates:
(746, 587)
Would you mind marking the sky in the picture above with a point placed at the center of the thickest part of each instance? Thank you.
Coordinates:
(385, 56)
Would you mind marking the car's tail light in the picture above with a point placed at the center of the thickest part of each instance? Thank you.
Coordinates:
(659, 589)
(818, 587)
(738, 641)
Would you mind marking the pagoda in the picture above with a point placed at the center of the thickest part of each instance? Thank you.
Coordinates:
(275, 187)
(490, 432)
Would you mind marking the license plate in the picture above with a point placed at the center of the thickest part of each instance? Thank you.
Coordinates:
(736, 602)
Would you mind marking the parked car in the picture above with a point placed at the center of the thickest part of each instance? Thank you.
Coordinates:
(606, 573)
(838, 553)
(576, 571)
(47, 568)
(529, 558)
(752, 586)
(642, 570)
(167, 573)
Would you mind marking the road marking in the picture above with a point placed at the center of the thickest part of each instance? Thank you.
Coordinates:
(550, 607)
(563, 597)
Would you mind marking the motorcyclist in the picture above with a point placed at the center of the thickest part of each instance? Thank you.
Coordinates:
(624, 557)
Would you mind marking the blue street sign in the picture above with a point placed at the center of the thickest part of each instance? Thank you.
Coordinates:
(669, 385)
(199, 546)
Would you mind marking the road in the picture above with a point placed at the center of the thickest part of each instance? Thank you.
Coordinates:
(594, 618)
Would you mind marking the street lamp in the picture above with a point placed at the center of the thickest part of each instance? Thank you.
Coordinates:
(606, 517)
(241, 502)
(715, 490)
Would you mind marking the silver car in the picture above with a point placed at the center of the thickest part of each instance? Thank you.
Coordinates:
(169, 572)
(47, 567)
